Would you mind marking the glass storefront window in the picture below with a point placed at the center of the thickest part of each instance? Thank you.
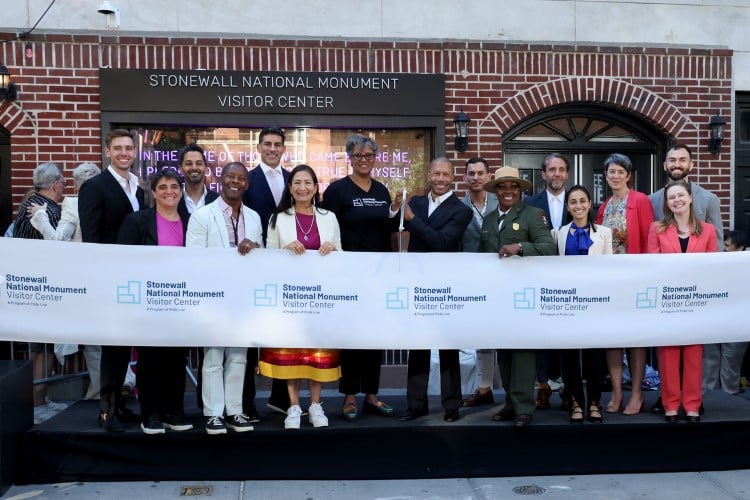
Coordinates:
(402, 160)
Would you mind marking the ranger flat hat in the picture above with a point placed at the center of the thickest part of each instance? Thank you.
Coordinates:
(505, 174)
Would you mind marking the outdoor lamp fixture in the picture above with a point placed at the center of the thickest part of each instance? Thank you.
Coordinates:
(8, 91)
(112, 13)
(717, 133)
(461, 121)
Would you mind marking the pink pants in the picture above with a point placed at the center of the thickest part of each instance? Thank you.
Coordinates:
(692, 375)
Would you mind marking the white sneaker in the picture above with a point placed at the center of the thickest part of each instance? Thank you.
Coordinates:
(317, 415)
(293, 417)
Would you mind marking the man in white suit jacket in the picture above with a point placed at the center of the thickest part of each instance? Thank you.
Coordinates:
(225, 223)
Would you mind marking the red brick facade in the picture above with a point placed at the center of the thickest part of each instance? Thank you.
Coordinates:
(677, 90)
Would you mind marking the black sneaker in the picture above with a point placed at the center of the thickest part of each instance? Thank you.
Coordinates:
(152, 425)
(239, 423)
(214, 425)
(177, 422)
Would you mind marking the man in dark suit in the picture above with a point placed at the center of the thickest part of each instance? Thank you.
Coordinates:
(555, 170)
(103, 203)
(436, 222)
(266, 182)
(194, 191)
(515, 229)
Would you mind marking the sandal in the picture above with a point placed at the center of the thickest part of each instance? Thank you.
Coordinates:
(576, 413)
(595, 413)
(350, 411)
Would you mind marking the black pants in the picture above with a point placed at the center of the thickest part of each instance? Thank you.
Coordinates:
(114, 366)
(161, 380)
(360, 371)
(594, 370)
(279, 394)
(419, 375)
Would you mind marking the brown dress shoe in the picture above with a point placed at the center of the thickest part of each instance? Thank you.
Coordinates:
(478, 399)
(543, 393)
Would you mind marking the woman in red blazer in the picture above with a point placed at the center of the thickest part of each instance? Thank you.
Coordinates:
(681, 232)
(628, 214)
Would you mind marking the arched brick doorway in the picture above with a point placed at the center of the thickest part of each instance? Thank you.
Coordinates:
(586, 134)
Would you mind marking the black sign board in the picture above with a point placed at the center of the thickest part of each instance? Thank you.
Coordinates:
(272, 92)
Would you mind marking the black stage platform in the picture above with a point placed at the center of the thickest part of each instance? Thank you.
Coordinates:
(70, 446)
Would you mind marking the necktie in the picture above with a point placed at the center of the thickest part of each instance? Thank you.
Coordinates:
(500, 221)
(274, 185)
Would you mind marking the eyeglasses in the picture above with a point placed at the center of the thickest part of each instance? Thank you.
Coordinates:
(360, 156)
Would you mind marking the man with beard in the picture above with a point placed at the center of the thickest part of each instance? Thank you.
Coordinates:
(436, 222)
(515, 229)
(194, 191)
(677, 165)
(555, 170)
(481, 203)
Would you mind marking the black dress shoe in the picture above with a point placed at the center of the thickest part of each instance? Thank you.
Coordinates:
(451, 415)
(672, 419)
(412, 415)
(522, 420)
(252, 415)
(128, 415)
(110, 423)
(506, 413)
(658, 407)
(693, 419)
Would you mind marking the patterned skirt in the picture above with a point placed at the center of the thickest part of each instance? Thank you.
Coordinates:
(320, 365)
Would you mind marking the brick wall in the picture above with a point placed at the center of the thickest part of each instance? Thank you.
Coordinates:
(677, 90)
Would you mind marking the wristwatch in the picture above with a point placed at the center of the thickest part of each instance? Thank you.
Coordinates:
(520, 249)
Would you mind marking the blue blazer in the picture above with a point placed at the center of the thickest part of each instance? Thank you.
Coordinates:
(440, 232)
(259, 197)
(539, 200)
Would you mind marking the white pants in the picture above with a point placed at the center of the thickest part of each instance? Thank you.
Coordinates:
(223, 379)
(721, 366)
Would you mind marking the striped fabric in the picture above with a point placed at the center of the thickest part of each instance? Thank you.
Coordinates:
(320, 365)
(23, 227)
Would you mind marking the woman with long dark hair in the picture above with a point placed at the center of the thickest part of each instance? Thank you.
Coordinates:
(583, 237)
(299, 225)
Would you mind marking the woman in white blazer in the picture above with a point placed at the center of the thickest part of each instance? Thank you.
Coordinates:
(300, 225)
(583, 237)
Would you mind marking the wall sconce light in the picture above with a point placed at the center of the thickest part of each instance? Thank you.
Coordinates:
(461, 122)
(112, 13)
(8, 90)
(716, 125)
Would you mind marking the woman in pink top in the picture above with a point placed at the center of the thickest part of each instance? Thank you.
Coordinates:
(161, 370)
(628, 214)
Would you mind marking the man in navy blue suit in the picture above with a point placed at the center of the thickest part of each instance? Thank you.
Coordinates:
(266, 182)
(555, 170)
(436, 222)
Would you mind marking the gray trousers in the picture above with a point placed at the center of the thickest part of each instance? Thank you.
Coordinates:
(721, 366)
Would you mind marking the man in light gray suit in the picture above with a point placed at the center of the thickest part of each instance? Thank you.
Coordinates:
(480, 202)
(678, 164)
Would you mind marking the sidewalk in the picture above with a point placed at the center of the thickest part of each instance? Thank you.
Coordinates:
(732, 485)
